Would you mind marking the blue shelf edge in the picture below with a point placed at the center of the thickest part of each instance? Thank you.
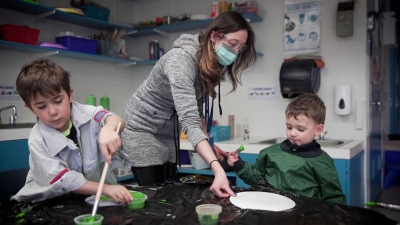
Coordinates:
(37, 49)
(124, 178)
(191, 170)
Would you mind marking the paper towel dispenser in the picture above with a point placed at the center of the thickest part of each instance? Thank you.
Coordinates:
(299, 76)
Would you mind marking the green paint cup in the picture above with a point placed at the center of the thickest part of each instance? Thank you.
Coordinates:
(138, 200)
(80, 220)
(208, 214)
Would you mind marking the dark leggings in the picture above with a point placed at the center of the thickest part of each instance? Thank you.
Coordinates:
(150, 175)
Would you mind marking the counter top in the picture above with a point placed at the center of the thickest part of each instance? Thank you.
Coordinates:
(14, 134)
(346, 151)
(392, 145)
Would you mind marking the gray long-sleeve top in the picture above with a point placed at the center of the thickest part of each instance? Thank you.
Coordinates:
(173, 84)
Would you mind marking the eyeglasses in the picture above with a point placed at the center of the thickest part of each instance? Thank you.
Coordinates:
(232, 43)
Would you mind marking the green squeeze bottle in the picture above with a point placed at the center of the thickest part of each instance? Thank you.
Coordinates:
(91, 100)
(105, 102)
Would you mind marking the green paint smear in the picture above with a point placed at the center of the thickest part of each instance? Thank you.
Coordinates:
(21, 214)
(25, 210)
(106, 198)
(165, 202)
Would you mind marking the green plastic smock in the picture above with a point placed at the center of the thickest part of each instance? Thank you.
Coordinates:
(306, 170)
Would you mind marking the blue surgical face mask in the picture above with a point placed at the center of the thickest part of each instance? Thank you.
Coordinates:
(226, 56)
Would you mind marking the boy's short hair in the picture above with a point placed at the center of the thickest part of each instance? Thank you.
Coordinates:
(309, 105)
(43, 77)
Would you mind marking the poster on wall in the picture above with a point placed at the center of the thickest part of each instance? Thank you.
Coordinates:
(302, 26)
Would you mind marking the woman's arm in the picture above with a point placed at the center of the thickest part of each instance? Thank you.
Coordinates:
(220, 186)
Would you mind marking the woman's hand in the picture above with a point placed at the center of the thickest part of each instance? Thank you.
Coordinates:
(220, 186)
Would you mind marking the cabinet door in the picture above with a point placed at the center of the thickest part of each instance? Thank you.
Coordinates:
(342, 169)
(14, 154)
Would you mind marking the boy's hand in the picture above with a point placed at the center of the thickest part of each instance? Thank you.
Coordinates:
(219, 153)
(232, 158)
(109, 142)
(118, 192)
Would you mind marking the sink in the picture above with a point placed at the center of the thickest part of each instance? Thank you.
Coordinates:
(323, 143)
(17, 125)
(332, 142)
(272, 141)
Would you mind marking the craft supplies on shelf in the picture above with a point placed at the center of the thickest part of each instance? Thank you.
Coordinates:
(19, 34)
(78, 44)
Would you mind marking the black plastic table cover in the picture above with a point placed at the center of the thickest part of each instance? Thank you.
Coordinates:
(175, 203)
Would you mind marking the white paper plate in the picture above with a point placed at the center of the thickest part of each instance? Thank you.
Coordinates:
(262, 201)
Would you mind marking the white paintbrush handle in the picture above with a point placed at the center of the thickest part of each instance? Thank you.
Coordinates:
(101, 184)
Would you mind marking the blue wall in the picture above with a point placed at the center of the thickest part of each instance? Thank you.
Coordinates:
(14, 154)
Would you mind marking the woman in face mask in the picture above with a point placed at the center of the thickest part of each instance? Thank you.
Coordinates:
(178, 96)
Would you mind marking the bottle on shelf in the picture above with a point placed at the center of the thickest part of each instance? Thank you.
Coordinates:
(156, 50)
(105, 102)
(246, 131)
(151, 50)
(161, 53)
(91, 100)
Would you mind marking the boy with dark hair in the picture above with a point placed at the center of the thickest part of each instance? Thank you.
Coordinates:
(298, 164)
(70, 143)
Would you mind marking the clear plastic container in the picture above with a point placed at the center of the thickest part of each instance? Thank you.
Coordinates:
(208, 214)
(80, 220)
(138, 200)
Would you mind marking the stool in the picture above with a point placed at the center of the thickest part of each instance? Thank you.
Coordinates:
(393, 172)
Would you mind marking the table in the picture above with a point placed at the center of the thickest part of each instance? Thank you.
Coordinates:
(174, 203)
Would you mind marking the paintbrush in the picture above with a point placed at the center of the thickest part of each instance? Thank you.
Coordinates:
(241, 148)
(100, 189)
(383, 205)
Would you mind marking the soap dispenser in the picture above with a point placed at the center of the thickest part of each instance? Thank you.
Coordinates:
(343, 99)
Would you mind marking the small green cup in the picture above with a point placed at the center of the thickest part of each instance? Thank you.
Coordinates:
(80, 220)
(138, 200)
(208, 214)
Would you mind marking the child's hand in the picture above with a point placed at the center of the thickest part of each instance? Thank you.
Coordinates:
(220, 153)
(232, 158)
(109, 142)
(117, 192)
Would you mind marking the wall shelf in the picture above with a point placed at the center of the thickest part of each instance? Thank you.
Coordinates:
(43, 51)
(54, 14)
(41, 11)
(184, 26)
